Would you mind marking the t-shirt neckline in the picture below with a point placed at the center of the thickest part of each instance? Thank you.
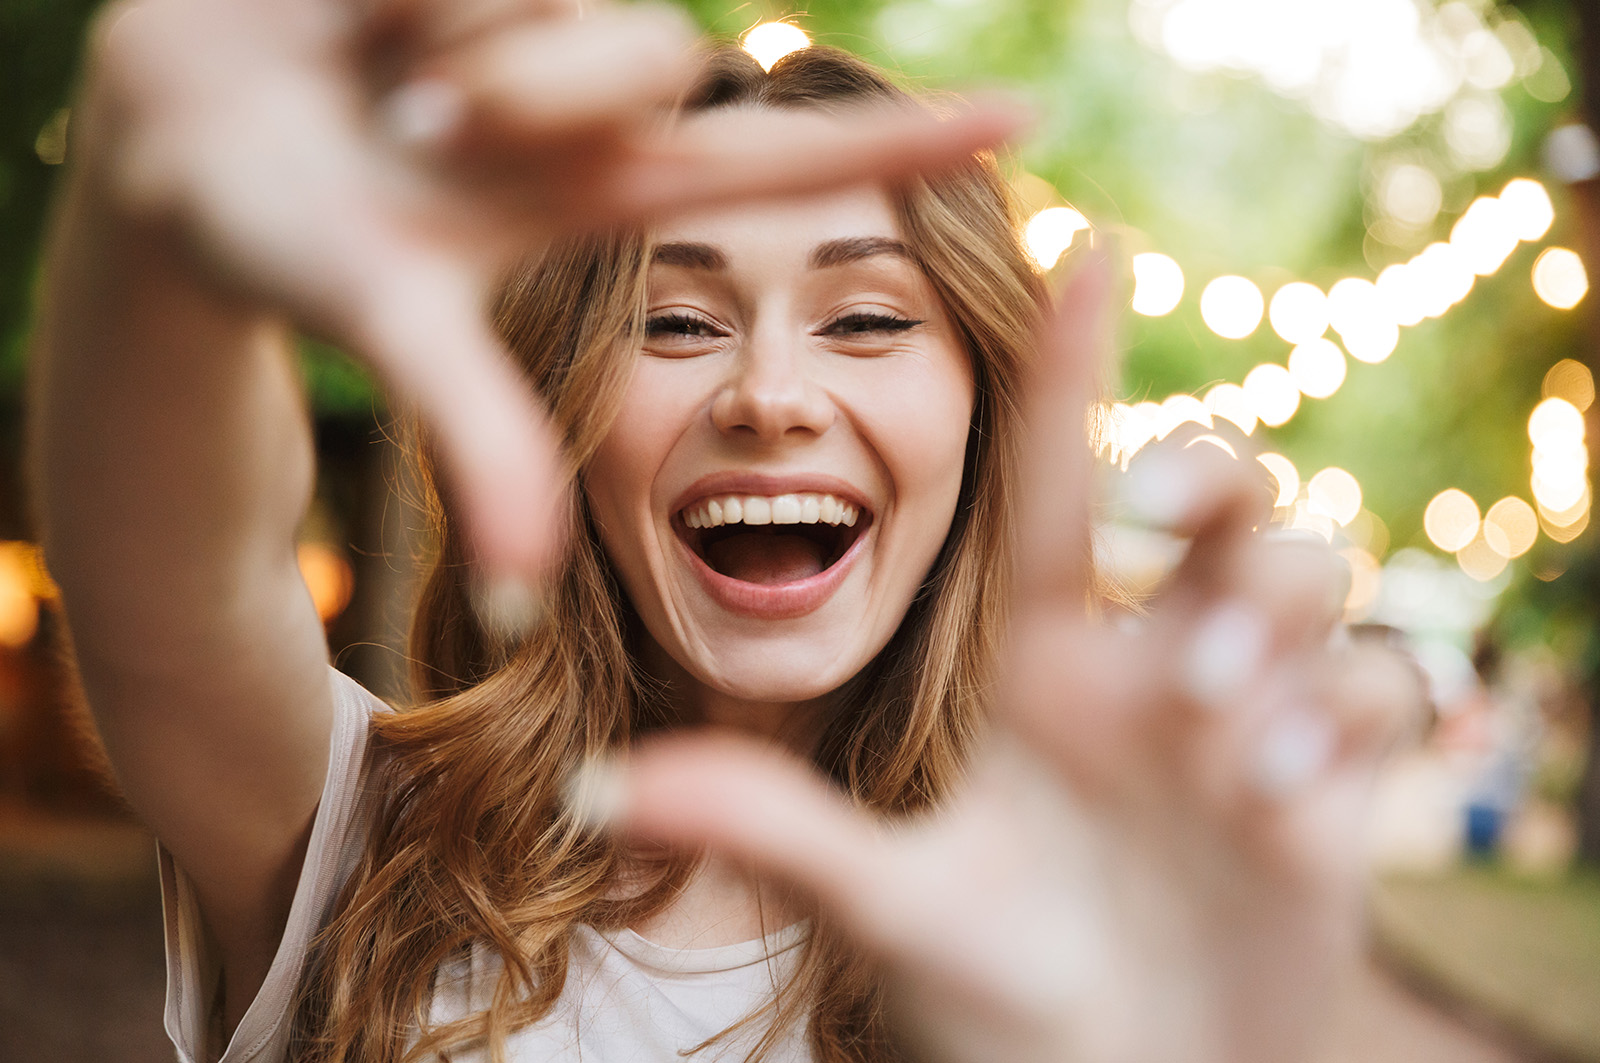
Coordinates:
(666, 960)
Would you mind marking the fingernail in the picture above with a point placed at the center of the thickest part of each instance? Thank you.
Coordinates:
(1296, 747)
(1225, 656)
(1157, 490)
(422, 114)
(508, 608)
(596, 793)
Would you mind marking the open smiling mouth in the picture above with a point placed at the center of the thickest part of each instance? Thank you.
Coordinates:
(771, 540)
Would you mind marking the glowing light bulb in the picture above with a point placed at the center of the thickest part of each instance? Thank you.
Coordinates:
(1485, 234)
(1272, 393)
(1569, 380)
(1299, 312)
(1555, 423)
(1531, 210)
(1181, 409)
(1334, 493)
(1400, 290)
(771, 41)
(1287, 477)
(1451, 520)
(1559, 278)
(1157, 284)
(1050, 232)
(1510, 527)
(1317, 368)
(1232, 307)
(1231, 403)
(1480, 560)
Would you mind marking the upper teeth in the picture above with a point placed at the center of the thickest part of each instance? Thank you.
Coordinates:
(770, 509)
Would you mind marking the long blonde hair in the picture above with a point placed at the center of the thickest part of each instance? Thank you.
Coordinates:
(472, 843)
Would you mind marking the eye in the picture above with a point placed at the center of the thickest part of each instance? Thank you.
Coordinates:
(678, 324)
(867, 323)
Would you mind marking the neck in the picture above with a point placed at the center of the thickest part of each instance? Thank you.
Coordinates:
(794, 725)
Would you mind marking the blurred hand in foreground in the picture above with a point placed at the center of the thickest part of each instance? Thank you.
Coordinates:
(366, 169)
(1157, 857)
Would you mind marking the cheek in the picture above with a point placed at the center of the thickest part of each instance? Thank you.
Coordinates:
(926, 433)
(619, 476)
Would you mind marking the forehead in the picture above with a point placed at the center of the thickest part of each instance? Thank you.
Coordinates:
(793, 226)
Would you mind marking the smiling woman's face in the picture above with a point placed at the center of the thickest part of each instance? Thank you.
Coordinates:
(788, 457)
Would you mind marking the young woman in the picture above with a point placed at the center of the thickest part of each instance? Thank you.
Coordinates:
(803, 493)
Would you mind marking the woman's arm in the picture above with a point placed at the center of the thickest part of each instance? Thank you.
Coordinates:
(171, 465)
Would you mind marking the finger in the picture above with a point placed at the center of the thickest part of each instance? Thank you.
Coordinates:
(751, 154)
(764, 809)
(1080, 694)
(1074, 344)
(429, 27)
(1378, 698)
(1202, 494)
(422, 323)
(518, 89)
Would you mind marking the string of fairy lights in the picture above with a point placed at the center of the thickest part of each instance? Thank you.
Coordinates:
(1368, 318)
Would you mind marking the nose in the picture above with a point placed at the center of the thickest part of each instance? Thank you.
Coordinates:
(770, 393)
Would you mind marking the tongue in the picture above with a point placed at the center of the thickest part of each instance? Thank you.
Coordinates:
(766, 558)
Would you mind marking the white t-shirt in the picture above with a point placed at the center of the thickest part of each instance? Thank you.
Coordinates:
(626, 999)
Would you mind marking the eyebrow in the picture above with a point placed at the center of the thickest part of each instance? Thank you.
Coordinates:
(690, 256)
(831, 253)
(854, 249)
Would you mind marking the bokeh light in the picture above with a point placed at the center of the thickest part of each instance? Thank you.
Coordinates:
(1232, 307)
(1410, 194)
(1451, 520)
(1366, 577)
(771, 41)
(1273, 394)
(1569, 380)
(1361, 317)
(1284, 472)
(1299, 312)
(1531, 210)
(1560, 480)
(1401, 291)
(1555, 423)
(1050, 232)
(1181, 409)
(1335, 494)
(1443, 277)
(1215, 441)
(1157, 284)
(1511, 527)
(328, 577)
(1317, 367)
(1559, 278)
(19, 604)
(1232, 403)
(1485, 235)
(1480, 560)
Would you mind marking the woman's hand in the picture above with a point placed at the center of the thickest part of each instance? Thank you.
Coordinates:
(1158, 856)
(365, 169)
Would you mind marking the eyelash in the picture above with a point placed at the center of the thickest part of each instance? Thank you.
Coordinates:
(857, 324)
(680, 325)
(863, 323)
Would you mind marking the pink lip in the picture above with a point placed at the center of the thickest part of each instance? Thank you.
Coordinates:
(774, 601)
